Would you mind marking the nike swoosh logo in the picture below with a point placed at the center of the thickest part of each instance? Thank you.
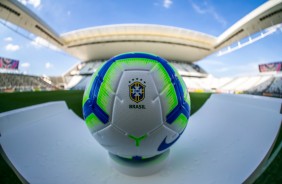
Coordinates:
(164, 145)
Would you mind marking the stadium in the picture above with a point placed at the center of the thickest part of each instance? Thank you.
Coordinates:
(181, 47)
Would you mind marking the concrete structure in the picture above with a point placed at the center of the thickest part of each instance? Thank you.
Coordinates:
(48, 143)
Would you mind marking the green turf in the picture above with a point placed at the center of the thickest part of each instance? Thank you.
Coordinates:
(197, 100)
(10, 101)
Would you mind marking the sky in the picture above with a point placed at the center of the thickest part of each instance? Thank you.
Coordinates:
(208, 16)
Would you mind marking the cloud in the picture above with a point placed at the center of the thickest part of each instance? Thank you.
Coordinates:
(48, 65)
(223, 69)
(226, 68)
(217, 63)
(167, 3)
(238, 70)
(25, 65)
(39, 42)
(8, 39)
(12, 47)
(198, 9)
(34, 3)
(207, 9)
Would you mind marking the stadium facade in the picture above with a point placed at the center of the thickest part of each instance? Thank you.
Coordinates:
(180, 46)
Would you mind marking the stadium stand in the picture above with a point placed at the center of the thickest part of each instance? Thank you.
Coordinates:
(82, 83)
(275, 89)
(58, 81)
(261, 86)
(74, 81)
(198, 84)
(189, 69)
(79, 75)
(11, 82)
(231, 86)
(90, 67)
(196, 79)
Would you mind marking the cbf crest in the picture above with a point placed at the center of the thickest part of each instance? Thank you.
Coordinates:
(137, 90)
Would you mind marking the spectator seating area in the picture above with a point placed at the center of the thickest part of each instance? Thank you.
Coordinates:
(78, 82)
(270, 85)
(10, 82)
(275, 88)
(89, 67)
(196, 79)
(79, 76)
(245, 83)
(189, 69)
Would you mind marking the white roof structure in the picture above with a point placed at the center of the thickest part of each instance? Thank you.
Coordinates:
(171, 43)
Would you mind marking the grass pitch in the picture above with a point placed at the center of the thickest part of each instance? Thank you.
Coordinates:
(10, 101)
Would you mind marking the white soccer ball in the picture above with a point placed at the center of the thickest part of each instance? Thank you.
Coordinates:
(136, 105)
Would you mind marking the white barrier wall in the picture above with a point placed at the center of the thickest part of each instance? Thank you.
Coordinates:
(226, 141)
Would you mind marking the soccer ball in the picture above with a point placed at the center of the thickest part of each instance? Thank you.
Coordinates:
(136, 105)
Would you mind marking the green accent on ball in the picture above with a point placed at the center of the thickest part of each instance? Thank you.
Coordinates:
(183, 85)
(137, 62)
(171, 97)
(188, 100)
(106, 89)
(103, 98)
(168, 90)
(185, 90)
(181, 121)
(92, 121)
(137, 139)
(162, 75)
(135, 53)
(88, 89)
(127, 157)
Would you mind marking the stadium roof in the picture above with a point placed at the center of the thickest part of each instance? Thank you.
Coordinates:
(169, 42)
